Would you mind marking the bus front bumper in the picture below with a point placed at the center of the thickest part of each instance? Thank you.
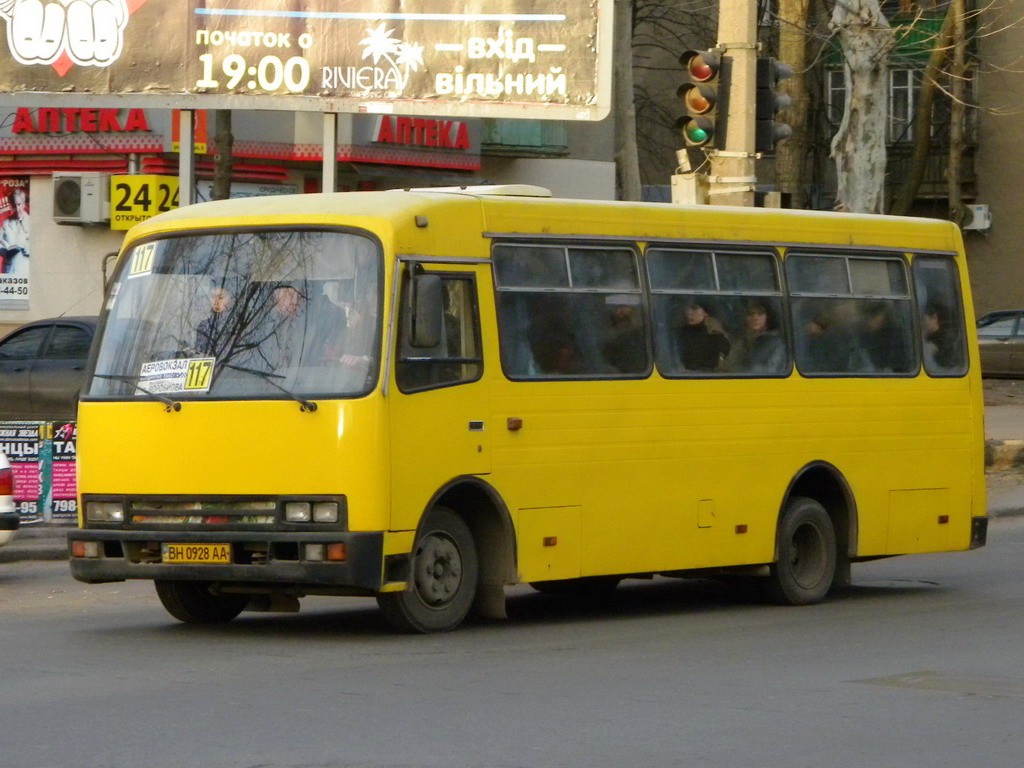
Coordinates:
(257, 557)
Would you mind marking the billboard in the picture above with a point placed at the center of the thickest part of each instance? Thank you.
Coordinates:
(14, 242)
(500, 58)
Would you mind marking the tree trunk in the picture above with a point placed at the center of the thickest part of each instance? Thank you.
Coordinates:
(923, 119)
(954, 172)
(222, 161)
(859, 147)
(627, 162)
(791, 155)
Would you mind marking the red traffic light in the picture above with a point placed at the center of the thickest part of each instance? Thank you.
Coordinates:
(702, 66)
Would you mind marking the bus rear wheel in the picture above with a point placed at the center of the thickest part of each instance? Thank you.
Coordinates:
(806, 564)
(443, 578)
(194, 603)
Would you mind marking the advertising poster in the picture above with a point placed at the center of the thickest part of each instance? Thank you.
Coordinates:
(20, 440)
(14, 243)
(63, 474)
(502, 58)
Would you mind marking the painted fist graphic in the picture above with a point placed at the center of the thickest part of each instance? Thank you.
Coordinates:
(91, 32)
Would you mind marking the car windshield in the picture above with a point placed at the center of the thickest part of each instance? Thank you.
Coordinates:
(258, 313)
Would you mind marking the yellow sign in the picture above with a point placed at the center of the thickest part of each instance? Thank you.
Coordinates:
(198, 374)
(137, 198)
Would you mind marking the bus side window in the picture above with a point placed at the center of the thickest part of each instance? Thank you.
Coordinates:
(717, 312)
(943, 339)
(457, 357)
(851, 314)
(570, 312)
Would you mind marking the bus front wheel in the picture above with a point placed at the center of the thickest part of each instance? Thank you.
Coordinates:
(806, 564)
(193, 603)
(443, 578)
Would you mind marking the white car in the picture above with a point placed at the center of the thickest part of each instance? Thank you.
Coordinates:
(9, 520)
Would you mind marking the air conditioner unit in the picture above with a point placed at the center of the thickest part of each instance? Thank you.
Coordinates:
(979, 217)
(81, 198)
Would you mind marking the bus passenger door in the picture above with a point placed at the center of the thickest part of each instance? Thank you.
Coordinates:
(438, 405)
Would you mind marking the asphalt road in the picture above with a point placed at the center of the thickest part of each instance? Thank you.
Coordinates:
(919, 664)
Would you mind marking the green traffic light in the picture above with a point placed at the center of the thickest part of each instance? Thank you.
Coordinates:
(696, 131)
(697, 135)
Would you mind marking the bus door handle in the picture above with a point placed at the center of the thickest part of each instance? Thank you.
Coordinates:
(514, 423)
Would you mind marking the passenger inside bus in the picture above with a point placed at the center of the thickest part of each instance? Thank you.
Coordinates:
(625, 344)
(280, 339)
(211, 333)
(702, 342)
(760, 349)
(942, 351)
(883, 341)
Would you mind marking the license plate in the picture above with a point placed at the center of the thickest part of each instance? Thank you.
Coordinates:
(212, 554)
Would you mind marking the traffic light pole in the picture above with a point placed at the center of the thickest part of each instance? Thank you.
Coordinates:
(732, 175)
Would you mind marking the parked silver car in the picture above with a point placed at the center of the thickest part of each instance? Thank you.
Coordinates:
(1001, 343)
(42, 368)
(9, 520)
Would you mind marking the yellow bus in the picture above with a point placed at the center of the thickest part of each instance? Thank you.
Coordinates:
(426, 396)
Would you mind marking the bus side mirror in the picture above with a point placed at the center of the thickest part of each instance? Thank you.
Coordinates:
(427, 312)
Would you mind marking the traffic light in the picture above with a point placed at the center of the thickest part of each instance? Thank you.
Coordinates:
(702, 96)
(770, 101)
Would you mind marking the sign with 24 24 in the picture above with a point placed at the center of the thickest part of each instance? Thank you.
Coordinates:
(505, 58)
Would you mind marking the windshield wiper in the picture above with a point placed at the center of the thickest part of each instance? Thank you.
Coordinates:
(307, 405)
(172, 405)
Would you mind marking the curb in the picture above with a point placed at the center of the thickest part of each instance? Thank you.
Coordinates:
(1001, 455)
(37, 542)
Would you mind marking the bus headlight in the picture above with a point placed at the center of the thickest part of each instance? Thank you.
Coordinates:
(325, 512)
(311, 511)
(298, 511)
(104, 512)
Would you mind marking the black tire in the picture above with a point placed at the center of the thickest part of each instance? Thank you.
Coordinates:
(193, 603)
(806, 545)
(585, 588)
(444, 572)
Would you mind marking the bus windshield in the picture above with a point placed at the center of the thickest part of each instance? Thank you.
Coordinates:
(261, 313)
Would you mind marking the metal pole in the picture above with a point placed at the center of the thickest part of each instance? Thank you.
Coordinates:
(186, 159)
(330, 172)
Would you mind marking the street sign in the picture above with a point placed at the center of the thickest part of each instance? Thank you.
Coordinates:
(139, 197)
(505, 58)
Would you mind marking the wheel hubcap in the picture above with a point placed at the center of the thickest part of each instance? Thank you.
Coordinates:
(438, 570)
(807, 557)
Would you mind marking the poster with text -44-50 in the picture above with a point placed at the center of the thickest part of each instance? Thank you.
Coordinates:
(14, 243)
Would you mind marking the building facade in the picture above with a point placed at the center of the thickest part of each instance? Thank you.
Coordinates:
(60, 168)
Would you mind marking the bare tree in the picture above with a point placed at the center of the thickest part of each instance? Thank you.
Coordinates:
(858, 149)
(627, 161)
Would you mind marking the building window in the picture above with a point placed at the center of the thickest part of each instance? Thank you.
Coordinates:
(904, 88)
(903, 92)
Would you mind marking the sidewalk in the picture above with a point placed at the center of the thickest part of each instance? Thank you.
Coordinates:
(1004, 459)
